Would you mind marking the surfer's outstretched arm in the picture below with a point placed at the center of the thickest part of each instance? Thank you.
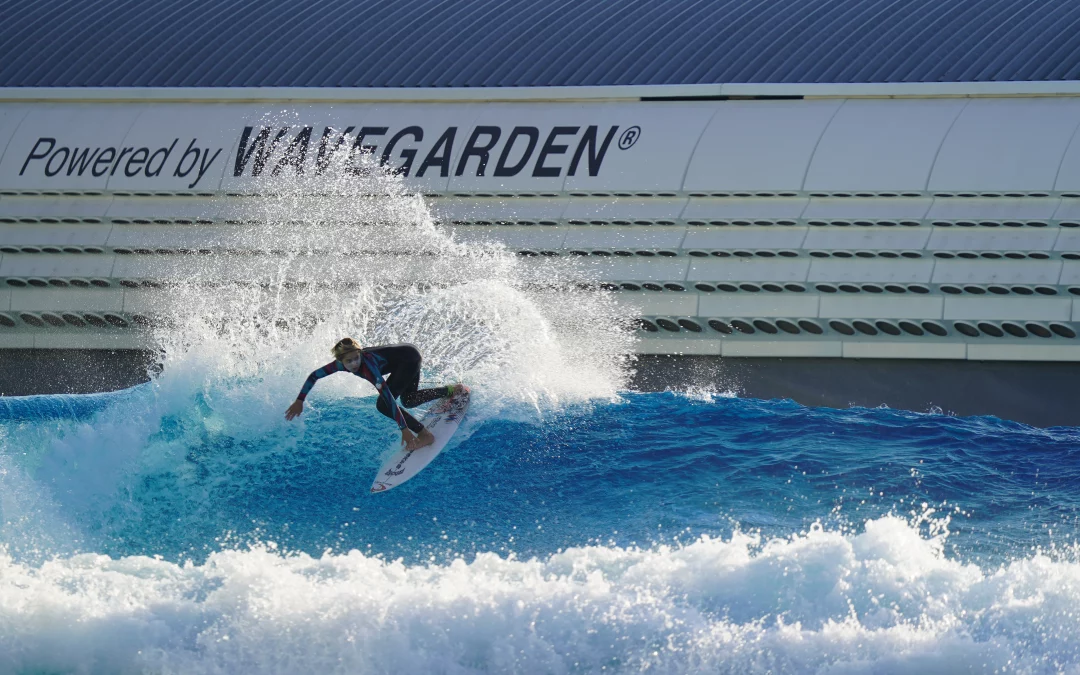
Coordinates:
(297, 406)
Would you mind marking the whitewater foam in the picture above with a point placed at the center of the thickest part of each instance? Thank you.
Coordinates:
(883, 600)
(313, 259)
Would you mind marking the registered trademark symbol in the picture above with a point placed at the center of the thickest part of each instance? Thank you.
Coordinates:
(629, 137)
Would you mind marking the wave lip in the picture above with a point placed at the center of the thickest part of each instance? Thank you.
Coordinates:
(884, 600)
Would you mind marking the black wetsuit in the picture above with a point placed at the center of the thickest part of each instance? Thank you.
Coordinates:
(402, 362)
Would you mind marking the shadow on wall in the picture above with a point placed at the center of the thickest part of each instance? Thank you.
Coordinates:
(1037, 393)
(25, 372)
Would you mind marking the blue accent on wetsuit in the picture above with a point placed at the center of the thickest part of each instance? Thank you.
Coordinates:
(370, 371)
(403, 364)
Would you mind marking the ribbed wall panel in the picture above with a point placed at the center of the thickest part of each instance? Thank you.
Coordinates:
(515, 43)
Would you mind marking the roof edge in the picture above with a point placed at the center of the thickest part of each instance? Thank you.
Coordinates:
(576, 93)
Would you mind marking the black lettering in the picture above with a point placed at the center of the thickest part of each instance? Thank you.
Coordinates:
(501, 169)
(481, 151)
(408, 155)
(322, 160)
(194, 153)
(359, 149)
(123, 151)
(295, 154)
(49, 171)
(259, 148)
(164, 152)
(204, 166)
(81, 160)
(136, 161)
(34, 152)
(596, 158)
(439, 155)
(107, 155)
(541, 171)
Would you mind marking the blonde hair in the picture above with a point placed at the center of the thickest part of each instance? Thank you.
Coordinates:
(345, 346)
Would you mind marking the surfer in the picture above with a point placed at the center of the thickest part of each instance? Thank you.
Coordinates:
(403, 364)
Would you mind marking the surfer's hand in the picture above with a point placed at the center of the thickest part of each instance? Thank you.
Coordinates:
(295, 409)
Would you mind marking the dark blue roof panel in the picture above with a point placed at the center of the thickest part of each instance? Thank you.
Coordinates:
(515, 43)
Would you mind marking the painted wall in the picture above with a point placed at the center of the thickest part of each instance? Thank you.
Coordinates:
(956, 146)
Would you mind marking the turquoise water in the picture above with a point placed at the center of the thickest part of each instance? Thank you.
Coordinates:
(668, 532)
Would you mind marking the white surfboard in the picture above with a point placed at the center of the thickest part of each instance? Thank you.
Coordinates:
(442, 419)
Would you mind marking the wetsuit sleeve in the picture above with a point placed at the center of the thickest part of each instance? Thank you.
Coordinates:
(315, 376)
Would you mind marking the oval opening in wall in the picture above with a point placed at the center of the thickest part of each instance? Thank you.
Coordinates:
(787, 326)
(812, 327)
(742, 326)
(966, 329)
(1063, 330)
(1038, 330)
(765, 326)
(720, 326)
(887, 327)
(911, 328)
(1013, 329)
(864, 327)
(31, 319)
(54, 320)
(841, 327)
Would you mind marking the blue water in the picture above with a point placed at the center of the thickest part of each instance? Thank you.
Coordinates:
(666, 532)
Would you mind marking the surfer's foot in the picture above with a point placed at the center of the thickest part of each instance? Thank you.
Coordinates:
(421, 440)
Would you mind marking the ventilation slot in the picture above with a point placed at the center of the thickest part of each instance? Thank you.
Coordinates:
(74, 320)
(765, 326)
(742, 326)
(811, 327)
(966, 329)
(1063, 330)
(32, 320)
(841, 327)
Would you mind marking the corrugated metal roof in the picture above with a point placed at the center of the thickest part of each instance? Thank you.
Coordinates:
(504, 43)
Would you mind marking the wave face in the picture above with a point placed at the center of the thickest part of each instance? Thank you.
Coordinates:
(661, 531)
(183, 526)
